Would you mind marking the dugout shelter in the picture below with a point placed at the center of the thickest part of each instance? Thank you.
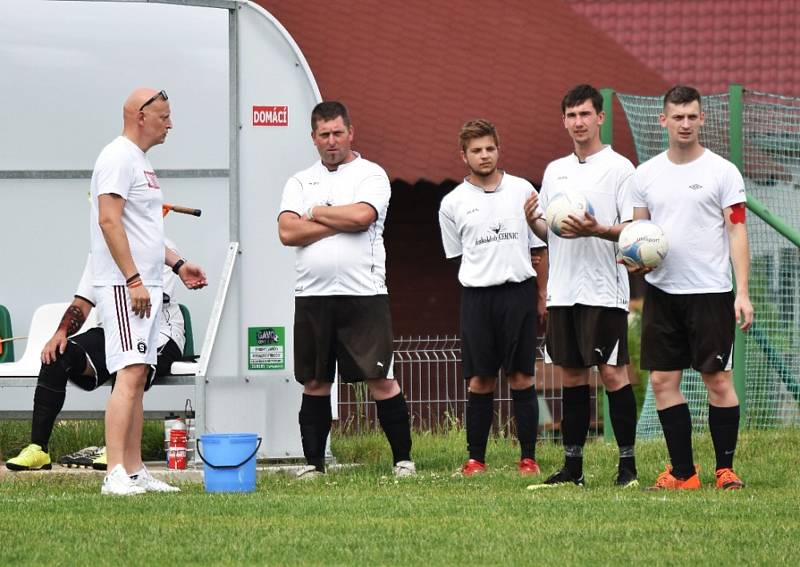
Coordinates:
(241, 94)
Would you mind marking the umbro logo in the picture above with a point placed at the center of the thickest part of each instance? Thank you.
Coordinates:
(695, 186)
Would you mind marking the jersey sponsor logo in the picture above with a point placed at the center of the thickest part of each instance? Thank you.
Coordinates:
(496, 233)
(152, 180)
(270, 116)
(475, 210)
(562, 178)
(695, 186)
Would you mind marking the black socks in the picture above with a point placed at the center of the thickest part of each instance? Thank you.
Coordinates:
(724, 426)
(526, 415)
(622, 410)
(677, 425)
(479, 422)
(394, 420)
(315, 425)
(575, 427)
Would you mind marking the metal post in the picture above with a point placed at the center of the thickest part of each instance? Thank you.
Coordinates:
(735, 112)
(607, 136)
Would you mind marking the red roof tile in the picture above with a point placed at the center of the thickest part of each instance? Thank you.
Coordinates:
(412, 72)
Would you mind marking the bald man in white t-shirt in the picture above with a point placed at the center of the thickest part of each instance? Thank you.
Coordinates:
(128, 251)
(690, 311)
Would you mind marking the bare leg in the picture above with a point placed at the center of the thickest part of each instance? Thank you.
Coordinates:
(121, 410)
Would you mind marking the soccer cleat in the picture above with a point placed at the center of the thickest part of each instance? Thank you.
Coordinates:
(144, 479)
(308, 472)
(118, 483)
(626, 478)
(559, 478)
(404, 469)
(666, 481)
(101, 462)
(31, 458)
(728, 480)
(528, 467)
(82, 458)
(472, 467)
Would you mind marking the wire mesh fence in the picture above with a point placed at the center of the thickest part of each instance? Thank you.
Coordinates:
(428, 370)
(771, 150)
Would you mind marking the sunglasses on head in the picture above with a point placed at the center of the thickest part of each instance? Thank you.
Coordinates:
(152, 99)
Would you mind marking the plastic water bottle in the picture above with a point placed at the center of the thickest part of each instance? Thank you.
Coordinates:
(176, 455)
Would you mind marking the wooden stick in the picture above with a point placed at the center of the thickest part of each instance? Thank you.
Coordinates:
(183, 210)
(9, 339)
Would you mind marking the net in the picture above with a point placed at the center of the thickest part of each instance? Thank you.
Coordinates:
(771, 149)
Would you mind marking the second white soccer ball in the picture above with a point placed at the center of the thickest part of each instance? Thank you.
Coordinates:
(564, 204)
(642, 244)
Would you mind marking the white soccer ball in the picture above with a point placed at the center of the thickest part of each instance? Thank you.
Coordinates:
(642, 244)
(564, 204)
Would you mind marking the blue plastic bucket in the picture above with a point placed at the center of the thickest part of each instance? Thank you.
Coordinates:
(230, 461)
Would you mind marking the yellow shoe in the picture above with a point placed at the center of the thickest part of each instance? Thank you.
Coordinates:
(31, 458)
(101, 462)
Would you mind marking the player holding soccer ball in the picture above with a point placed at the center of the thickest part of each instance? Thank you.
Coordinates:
(690, 312)
(588, 291)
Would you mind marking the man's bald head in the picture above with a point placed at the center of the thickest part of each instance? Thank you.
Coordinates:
(146, 126)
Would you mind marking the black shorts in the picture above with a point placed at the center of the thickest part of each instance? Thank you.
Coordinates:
(498, 329)
(582, 336)
(351, 332)
(694, 330)
(92, 342)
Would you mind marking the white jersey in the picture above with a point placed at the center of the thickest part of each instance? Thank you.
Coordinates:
(584, 270)
(686, 201)
(172, 324)
(123, 169)
(489, 231)
(347, 263)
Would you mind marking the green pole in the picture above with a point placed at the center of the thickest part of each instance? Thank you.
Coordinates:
(736, 111)
(607, 136)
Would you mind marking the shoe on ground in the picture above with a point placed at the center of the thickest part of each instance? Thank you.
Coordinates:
(728, 480)
(472, 467)
(560, 478)
(528, 467)
(666, 481)
(626, 478)
(144, 479)
(31, 458)
(118, 483)
(308, 472)
(405, 468)
(82, 458)
(101, 462)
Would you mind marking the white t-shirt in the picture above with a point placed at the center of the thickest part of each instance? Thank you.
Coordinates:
(172, 324)
(584, 270)
(347, 263)
(123, 169)
(687, 201)
(489, 232)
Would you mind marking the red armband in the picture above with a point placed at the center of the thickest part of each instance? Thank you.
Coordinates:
(737, 213)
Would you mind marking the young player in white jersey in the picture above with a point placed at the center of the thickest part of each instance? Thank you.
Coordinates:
(690, 312)
(588, 295)
(483, 223)
(81, 359)
(333, 214)
(127, 243)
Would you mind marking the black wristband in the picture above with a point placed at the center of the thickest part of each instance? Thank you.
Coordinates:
(177, 267)
(132, 278)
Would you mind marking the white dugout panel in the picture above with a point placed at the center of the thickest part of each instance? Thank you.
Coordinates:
(67, 68)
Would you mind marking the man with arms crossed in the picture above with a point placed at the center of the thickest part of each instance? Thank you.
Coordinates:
(333, 213)
(589, 292)
(690, 311)
(127, 244)
(483, 223)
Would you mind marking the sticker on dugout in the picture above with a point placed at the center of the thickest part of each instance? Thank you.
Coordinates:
(266, 348)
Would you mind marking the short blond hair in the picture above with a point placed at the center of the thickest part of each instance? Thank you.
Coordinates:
(477, 129)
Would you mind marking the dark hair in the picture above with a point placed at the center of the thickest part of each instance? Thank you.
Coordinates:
(681, 94)
(329, 110)
(477, 129)
(577, 95)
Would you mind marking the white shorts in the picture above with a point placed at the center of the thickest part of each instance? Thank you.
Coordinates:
(130, 339)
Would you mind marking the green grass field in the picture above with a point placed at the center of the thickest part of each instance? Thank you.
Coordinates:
(363, 516)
